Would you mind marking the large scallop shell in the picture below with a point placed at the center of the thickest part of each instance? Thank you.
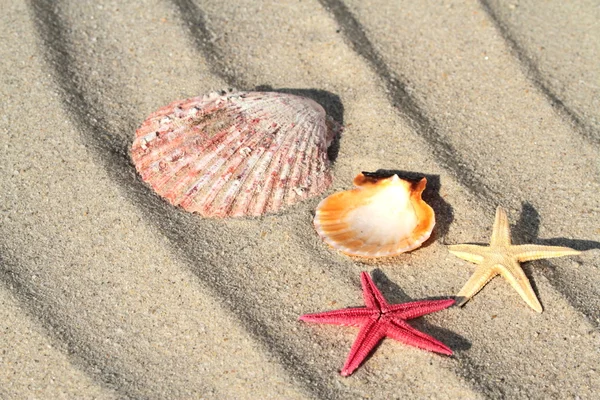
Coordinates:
(235, 154)
(381, 217)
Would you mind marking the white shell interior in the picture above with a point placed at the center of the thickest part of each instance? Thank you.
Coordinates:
(387, 218)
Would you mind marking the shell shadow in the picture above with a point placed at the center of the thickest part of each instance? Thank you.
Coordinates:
(330, 102)
(444, 213)
(394, 294)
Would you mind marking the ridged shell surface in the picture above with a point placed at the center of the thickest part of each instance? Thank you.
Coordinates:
(236, 154)
(379, 218)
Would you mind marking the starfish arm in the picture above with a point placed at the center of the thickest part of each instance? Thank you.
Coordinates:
(401, 331)
(418, 308)
(347, 316)
(501, 229)
(482, 275)
(470, 252)
(370, 334)
(514, 274)
(372, 295)
(530, 252)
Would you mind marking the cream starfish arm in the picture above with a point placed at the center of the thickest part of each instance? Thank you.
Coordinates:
(501, 229)
(469, 252)
(482, 275)
(530, 252)
(513, 273)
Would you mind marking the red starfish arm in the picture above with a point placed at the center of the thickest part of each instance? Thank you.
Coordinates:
(418, 308)
(346, 316)
(371, 333)
(403, 332)
(372, 295)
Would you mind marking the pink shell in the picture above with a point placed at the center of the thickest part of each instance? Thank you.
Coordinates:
(235, 154)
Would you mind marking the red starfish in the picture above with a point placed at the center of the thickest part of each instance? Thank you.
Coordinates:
(379, 320)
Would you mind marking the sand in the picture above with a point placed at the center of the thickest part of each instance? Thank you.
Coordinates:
(107, 291)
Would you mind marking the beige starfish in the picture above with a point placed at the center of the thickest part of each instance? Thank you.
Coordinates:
(503, 258)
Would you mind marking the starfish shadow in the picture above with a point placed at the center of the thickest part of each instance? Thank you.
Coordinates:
(330, 102)
(528, 227)
(394, 294)
(526, 230)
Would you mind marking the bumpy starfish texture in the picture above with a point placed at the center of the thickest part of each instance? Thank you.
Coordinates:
(503, 258)
(379, 320)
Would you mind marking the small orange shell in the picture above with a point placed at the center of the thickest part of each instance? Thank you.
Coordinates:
(379, 218)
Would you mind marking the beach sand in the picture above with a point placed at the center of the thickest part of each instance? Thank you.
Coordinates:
(107, 291)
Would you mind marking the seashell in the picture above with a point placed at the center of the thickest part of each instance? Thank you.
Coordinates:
(381, 217)
(236, 153)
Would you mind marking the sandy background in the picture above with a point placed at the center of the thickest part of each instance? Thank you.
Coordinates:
(106, 291)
